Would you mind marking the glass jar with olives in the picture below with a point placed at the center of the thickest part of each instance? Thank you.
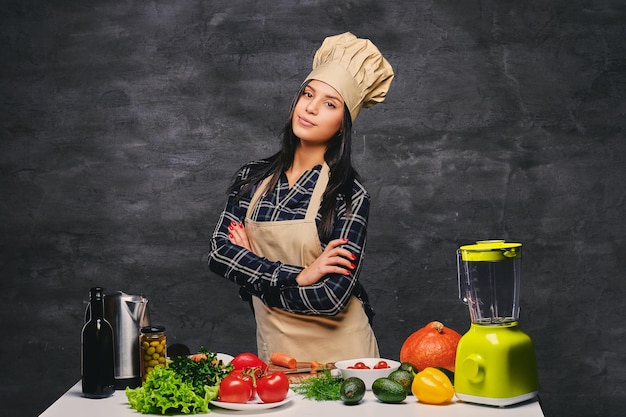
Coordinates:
(153, 348)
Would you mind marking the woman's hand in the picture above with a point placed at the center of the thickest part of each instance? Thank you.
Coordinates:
(334, 260)
(237, 235)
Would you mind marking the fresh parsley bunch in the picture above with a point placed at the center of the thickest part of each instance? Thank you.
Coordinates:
(206, 371)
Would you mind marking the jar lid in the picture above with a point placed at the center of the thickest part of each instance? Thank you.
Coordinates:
(153, 329)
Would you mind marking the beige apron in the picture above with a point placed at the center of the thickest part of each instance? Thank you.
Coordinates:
(305, 337)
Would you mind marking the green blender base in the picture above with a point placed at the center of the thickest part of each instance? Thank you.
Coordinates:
(495, 365)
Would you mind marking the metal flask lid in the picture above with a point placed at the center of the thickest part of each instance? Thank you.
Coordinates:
(490, 250)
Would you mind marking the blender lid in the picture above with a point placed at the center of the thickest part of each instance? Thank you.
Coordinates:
(490, 250)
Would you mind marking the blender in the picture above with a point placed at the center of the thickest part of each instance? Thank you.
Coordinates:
(495, 360)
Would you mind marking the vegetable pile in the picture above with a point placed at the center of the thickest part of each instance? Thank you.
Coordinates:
(186, 386)
(189, 383)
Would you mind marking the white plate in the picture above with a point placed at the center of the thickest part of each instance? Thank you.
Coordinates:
(255, 404)
(224, 357)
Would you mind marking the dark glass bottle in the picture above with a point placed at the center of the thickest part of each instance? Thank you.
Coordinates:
(97, 355)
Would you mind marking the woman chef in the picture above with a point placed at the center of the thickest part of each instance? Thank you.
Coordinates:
(293, 230)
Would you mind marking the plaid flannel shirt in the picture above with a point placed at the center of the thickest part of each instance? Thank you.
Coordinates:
(275, 282)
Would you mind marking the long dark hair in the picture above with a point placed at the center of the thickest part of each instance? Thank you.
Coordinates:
(338, 156)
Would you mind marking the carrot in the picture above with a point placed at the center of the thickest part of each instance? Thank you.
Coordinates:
(282, 359)
(198, 357)
(315, 366)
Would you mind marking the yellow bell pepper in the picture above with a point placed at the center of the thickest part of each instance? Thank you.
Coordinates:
(432, 386)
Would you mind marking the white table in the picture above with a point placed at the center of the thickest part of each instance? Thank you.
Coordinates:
(72, 403)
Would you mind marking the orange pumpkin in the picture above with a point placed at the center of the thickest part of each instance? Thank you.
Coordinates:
(434, 345)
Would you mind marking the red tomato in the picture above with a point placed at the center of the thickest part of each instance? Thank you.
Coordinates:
(381, 365)
(248, 376)
(248, 360)
(359, 365)
(273, 387)
(234, 390)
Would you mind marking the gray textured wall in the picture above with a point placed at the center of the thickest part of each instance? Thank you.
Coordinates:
(121, 123)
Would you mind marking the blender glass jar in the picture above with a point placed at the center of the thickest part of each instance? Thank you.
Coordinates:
(489, 274)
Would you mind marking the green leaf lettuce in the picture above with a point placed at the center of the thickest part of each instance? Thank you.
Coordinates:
(164, 392)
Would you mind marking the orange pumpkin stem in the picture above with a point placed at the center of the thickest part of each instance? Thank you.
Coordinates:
(437, 325)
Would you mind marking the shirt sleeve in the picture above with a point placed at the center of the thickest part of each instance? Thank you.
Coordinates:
(259, 276)
(274, 282)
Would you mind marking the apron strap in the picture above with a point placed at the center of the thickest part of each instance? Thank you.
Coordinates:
(318, 192)
(258, 193)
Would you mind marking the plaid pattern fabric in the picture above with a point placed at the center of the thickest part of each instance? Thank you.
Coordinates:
(275, 282)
